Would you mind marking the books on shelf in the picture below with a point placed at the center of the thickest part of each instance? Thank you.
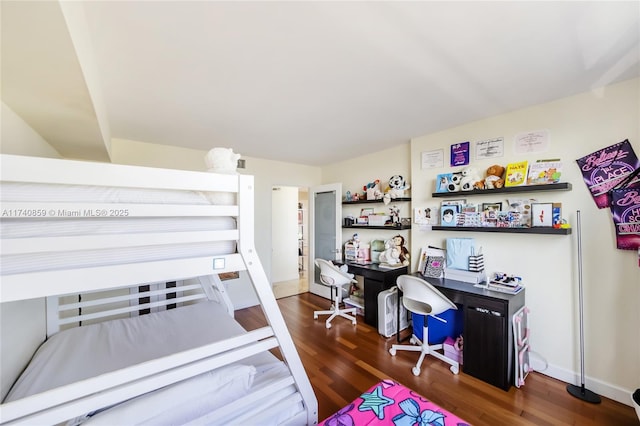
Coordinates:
(543, 172)
(516, 174)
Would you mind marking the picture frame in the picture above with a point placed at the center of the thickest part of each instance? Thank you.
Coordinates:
(497, 206)
(542, 214)
(442, 182)
(449, 215)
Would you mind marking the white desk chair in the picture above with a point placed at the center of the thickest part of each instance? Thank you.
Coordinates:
(420, 297)
(336, 279)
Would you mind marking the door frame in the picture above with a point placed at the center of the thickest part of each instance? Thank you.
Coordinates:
(336, 188)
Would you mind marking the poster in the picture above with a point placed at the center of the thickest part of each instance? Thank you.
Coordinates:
(625, 210)
(460, 154)
(604, 169)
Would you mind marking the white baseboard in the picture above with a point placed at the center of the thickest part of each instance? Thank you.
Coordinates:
(601, 388)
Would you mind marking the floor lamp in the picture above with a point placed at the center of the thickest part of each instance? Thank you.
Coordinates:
(581, 392)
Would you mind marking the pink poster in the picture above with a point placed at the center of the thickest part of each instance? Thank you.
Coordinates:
(605, 169)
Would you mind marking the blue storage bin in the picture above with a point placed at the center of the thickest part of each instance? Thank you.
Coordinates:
(438, 330)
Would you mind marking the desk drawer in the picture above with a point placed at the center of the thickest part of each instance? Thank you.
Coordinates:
(492, 305)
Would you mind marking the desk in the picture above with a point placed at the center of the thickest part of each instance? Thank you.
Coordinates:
(488, 332)
(376, 279)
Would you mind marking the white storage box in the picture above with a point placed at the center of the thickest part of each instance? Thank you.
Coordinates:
(378, 219)
(388, 313)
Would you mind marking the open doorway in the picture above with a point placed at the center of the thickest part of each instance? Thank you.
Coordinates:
(290, 240)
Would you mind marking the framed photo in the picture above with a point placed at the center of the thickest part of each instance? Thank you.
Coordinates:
(449, 216)
(366, 212)
(496, 207)
(442, 182)
(542, 214)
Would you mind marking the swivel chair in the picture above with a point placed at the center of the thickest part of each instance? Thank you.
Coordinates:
(420, 297)
(336, 279)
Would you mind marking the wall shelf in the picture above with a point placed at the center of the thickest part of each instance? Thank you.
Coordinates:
(536, 230)
(396, 228)
(562, 186)
(393, 200)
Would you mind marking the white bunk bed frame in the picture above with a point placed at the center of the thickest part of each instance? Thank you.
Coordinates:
(65, 402)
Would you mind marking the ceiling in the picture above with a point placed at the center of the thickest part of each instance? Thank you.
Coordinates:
(299, 81)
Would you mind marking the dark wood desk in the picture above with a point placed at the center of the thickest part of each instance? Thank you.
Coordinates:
(488, 331)
(376, 279)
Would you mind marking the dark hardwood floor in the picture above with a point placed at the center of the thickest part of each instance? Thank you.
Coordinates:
(345, 360)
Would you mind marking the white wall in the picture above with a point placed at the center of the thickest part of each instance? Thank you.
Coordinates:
(22, 324)
(18, 138)
(267, 174)
(577, 126)
(356, 172)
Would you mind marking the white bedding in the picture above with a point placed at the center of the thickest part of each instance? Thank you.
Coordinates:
(87, 351)
(78, 196)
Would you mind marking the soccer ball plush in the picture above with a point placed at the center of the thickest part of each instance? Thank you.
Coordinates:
(225, 161)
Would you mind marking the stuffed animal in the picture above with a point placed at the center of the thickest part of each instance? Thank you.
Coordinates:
(469, 178)
(222, 160)
(391, 254)
(225, 161)
(454, 182)
(397, 186)
(494, 178)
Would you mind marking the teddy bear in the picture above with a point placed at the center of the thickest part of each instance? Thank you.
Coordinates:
(224, 161)
(494, 178)
(391, 254)
(469, 178)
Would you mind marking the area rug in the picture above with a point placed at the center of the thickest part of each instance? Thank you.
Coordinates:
(390, 403)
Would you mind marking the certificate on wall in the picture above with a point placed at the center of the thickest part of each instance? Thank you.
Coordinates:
(529, 142)
(460, 154)
(490, 148)
(432, 159)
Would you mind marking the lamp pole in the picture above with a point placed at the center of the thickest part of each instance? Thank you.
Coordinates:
(581, 392)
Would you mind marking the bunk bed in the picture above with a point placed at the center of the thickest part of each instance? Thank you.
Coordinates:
(139, 325)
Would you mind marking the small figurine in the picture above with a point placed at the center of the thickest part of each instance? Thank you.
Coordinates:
(348, 196)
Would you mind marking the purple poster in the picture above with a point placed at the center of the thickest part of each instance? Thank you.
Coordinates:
(625, 209)
(603, 170)
(460, 154)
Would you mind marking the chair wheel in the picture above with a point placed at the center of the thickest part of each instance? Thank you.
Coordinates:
(353, 322)
(454, 369)
(415, 371)
(315, 317)
(392, 351)
(413, 341)
(328, 325)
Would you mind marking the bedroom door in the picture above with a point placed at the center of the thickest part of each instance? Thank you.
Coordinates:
(325, 207)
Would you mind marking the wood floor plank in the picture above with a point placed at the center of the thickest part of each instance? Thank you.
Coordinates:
(345, 360)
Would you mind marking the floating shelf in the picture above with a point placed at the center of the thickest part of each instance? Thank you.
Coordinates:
(562, 186)
(391, 228)
(393, 200)
(536, 230)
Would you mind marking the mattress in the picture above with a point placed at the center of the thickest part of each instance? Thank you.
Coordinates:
(77, 197)
(84, 352)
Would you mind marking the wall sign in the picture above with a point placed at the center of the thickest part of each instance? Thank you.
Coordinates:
(459, 154)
